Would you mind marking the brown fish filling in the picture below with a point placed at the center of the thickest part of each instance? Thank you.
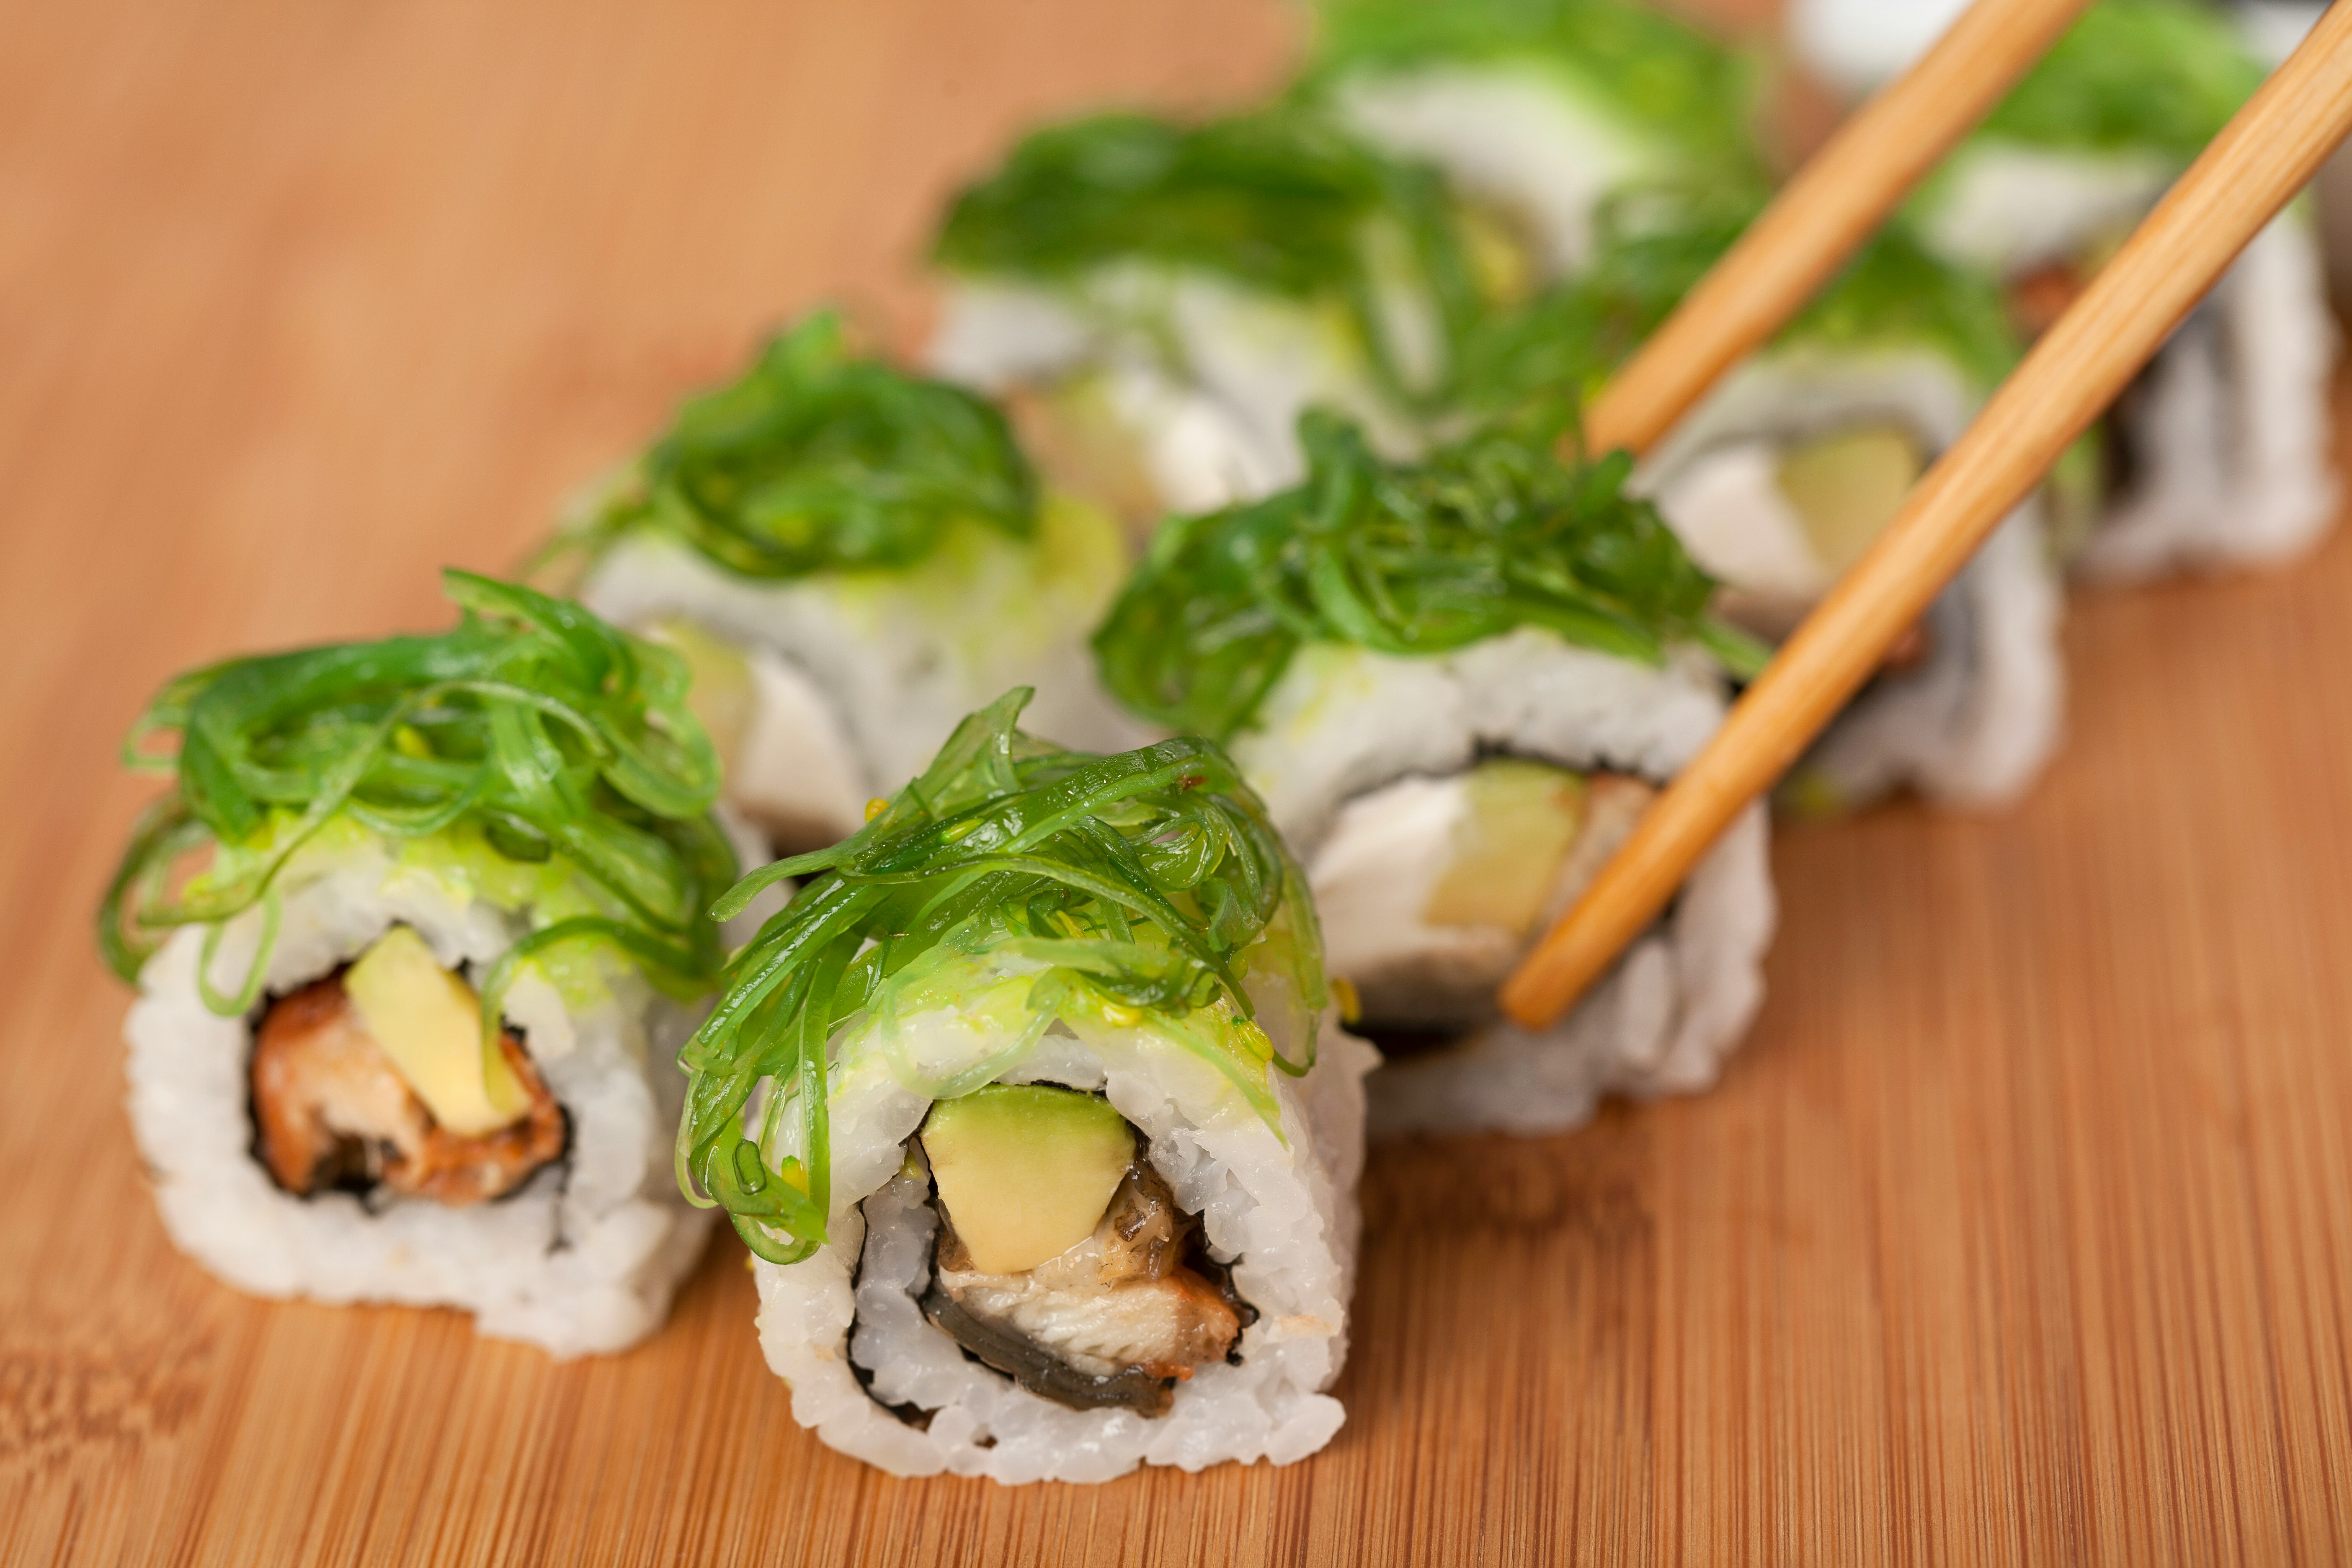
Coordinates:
(331, 1111)
(1117, 1320)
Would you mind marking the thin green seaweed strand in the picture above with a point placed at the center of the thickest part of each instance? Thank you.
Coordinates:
(1485, 535)
(2160, 74)
(1655, 242)
(1279, 199)
(818, 460)
(1652, 69)
(554, 733)
(1142, 879)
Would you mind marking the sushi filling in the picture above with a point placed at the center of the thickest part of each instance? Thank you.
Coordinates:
(1114, 1320)
(1780, 520)
(334, 1109)
(1430, 889)
(1117, 1320)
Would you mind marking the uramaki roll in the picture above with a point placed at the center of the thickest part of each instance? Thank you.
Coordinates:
(1033, 1112)
(1158, 301)
(1538, 112)
(409, 1035)
(1788, 470)
(851, 558)
(1455, 684)
(2217, 454)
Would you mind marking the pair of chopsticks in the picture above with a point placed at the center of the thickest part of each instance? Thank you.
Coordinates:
(2269, 151)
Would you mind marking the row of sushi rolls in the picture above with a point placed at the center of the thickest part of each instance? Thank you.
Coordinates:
(969, 820)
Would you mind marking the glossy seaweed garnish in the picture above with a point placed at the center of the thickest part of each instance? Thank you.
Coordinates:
(821, 460)
(1656, 242)
(1653, 70)
(2159, 74)
(1489, 534)
(1279, 199)
(1012, 878)
(554, 737)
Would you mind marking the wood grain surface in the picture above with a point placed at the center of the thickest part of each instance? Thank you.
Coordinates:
(2019, 1231)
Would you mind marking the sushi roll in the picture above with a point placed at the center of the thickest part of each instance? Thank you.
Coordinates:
(850, 558)
(1158, 301)
(406, 1032)
(2217, 454)
(1788, 471)
(1538, 112)
(1456, 683)
(1038, 1124)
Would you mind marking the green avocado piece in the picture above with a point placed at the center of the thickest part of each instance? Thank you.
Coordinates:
(428, 1021)
(1024, 1172)
(1523, 818)
(1847, 487)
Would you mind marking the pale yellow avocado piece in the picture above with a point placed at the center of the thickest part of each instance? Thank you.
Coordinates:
(429, 1022)
(1848, 487)
(722, 694)
(1025, 1171)
(1508, 846)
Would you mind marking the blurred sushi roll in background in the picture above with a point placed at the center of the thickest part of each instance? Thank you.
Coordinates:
(2217, 455)
(1099, 279)
(1158, 302)
(418, 932)
(1537, 111)
(850, 558)
(1034, 1113)
(1788, 471)
(1456, 683)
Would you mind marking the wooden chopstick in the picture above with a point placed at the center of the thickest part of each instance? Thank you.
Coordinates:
(1832, 204)
(2260, 160)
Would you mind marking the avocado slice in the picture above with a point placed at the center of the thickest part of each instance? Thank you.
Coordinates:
(429, 1022)
(1507, 848)
(1847, 487)
(1025, 1172)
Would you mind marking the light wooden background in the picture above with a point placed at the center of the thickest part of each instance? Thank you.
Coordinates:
(2019, 1231)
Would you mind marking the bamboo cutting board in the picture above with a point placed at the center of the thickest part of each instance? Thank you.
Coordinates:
(2019, 1231)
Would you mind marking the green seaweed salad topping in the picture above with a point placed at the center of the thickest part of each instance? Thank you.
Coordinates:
(2166, 74)
(1655, 244)
(1486, 534)
(1668, 77)
(554, 736)
(1279, 199)
(1070, 886)
(817, 460)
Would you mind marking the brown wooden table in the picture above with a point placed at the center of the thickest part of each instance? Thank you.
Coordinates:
(2019, 1231)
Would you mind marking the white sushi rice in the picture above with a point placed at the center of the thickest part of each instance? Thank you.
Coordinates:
(1281, 1211)
(2231, 444)
(1207, 379)
(582, 1259)
(2009, 206)
(896, 659)
(1975, 723)
(1859, 45)
(1531, 141)
(1662, 1022)
(2229, 430)
(1343, 722)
